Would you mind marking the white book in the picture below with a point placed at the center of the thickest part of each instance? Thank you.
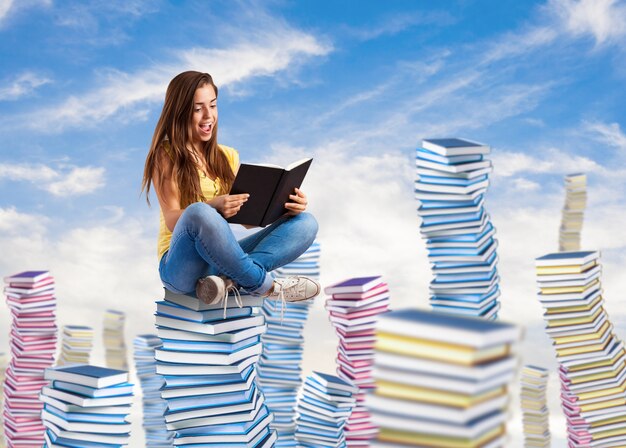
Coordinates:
(426, 196)
(222, 419)
(196, 369)
(206, 390)
(221, 359)
(121, 439)
(416, 411)
(213, 411)
(422, 171)
(256, 434)
(230, 337)
(210, 328)
(458, 168)
(570, 258)
(87, 402)
(102, 428)
(452, 189)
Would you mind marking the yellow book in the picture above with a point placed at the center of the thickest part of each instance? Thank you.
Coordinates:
(602, 405)
(575, 320)
(569, 269)
(603, 393)
(440, 351)
(568, 289)
(437, 441)
(597, 364)
(597, 376)
(583, 349)
(611, 433)
(582, 337)
(436, 396)
(574, 309)
(608, 421)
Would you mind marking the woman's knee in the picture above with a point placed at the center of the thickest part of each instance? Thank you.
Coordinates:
(307, 225)
(200, 214)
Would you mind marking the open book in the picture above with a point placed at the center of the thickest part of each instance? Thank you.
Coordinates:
(269, 187)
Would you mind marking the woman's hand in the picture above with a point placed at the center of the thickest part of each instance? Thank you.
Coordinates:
(298, 204)
(228, 204)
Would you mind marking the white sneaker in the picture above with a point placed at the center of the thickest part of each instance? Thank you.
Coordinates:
(213, 289)
(295, 289)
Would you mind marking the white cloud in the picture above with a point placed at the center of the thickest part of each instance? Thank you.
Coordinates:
(604, 20)
(21, 86)
(31, 173)
(400, 22)
(5, 7)
(80, 180)
(63, 181)
(609, 134)
(524, 185)
(550, 160)
(9, 7)
(131, 95)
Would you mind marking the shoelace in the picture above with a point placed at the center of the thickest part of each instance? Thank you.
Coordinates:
(238, 299)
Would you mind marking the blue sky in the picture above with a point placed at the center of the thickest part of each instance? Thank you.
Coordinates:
(356, 85)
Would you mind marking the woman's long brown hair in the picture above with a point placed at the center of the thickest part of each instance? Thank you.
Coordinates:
(169, 149)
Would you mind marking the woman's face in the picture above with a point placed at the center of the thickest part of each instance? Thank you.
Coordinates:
(204, 116)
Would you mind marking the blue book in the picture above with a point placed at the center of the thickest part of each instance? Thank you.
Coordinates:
(333, 382)
(454, 146)
(435, 220)
(91, 376)
(86, 417)
(210, 401)
(216, 347)
(207, 380)
(451, 180)
(359, 284)
(425, 154)
(567, 258)
(170, 309)
(447, 328)
(111, 391)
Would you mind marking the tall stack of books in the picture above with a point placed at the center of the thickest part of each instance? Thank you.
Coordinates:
(3, 367)
(591, 358)
(157, 435)
(535, 413)
(452, 179)
(30, 296)
(77, 341)
(573, 212)
(86, 406)
(279, 368)
(326, 404)
(114, 342)
(208, 363)
(354, 307)
(441, 380)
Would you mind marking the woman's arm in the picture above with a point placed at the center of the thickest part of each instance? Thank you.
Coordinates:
(167, 194)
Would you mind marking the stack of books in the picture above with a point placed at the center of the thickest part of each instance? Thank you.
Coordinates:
(535, 415)
(114, 342)
(3, 367)
(354, 307)
(77, 341)
(157, 435)
(307, 264)
(441, 380)
(591, 358)
(573, 212)
(208, 363)
(452, 179)
(326, 404)
(86, 406)
(30, 296)
(279, 368)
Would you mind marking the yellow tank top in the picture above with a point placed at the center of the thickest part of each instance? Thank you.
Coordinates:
(210, 189)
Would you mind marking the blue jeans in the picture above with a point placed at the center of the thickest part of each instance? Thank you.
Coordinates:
(203, 244)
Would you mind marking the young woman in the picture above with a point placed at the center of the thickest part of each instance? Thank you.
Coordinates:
(192, 175)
